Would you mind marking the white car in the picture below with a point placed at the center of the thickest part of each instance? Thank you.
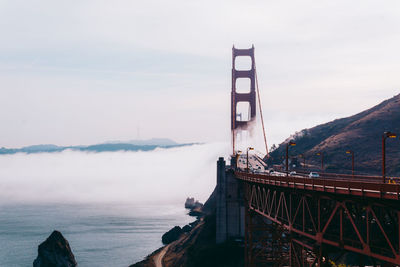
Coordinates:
(313, 175)
(292, 173)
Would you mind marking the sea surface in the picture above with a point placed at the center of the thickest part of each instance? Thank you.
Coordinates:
(99, 234)
(112, 207)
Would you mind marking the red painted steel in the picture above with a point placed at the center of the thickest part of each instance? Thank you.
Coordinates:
(242, 97)
(265, 243)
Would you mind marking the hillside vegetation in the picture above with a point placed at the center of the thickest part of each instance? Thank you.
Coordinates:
(361, 133)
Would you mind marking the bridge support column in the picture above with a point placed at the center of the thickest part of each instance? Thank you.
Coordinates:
(221, 202)
(229, 204)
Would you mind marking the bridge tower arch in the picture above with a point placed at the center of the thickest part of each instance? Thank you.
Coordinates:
(239, 122)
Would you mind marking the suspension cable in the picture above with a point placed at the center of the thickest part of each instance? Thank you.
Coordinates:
(259, 104)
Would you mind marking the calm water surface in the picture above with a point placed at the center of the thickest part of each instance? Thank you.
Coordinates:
(99, 234)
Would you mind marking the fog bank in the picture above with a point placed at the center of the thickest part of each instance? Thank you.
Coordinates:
(162, 175)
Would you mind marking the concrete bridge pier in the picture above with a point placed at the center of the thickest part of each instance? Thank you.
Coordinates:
(230, 209)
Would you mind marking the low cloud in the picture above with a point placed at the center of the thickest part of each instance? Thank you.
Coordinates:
(163, 175)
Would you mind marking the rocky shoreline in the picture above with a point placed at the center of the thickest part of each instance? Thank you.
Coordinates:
(192, 245)
(177, 238)
(195, 210)
(198, 248)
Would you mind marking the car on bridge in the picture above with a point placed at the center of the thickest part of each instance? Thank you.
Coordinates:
(313, 175)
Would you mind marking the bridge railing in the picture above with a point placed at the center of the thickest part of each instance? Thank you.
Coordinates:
(329, 184)
(372, 178)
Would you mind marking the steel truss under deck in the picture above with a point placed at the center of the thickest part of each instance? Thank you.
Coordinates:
(302, 227)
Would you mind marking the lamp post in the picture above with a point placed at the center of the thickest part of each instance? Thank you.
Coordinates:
(352, 161)
(304, 160)
(237, 157)
(384, 137)
(291, 143)
(322, 160)
(247, 157)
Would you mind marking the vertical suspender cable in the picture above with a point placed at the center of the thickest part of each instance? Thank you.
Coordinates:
(261, 114)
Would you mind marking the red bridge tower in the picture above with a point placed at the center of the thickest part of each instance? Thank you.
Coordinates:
(250, 97)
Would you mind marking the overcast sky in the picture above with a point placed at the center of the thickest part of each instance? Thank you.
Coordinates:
(83, 72)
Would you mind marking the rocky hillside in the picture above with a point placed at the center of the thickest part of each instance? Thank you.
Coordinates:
(361, 133)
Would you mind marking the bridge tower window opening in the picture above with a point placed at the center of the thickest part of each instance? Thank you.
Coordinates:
(243, 111)
(243, 63)
(243, 85)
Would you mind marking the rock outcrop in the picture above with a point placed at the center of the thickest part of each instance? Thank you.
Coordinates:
(55, 252)
(186, 229)
(172, 235)
(191, 204)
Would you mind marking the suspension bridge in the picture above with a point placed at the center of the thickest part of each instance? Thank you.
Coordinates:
(295, 219)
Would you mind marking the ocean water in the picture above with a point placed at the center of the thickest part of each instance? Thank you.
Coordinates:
(99, 234)
(112, 207)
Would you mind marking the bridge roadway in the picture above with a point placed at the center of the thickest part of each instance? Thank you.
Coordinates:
(357, 185)
(367, 186)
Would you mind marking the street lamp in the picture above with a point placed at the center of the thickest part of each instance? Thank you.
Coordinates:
(304, 160)
(247, 157)
(352, 161)
(384, 136)
(237, 157)
(291, 143)
(322, 160)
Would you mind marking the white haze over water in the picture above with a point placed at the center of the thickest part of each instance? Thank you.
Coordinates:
(112, 207)
(162, 175)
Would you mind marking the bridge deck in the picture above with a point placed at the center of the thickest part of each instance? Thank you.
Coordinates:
(336, 185)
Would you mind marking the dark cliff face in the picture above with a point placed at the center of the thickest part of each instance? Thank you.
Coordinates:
(172, 235)
(55, 252)
(361, 133)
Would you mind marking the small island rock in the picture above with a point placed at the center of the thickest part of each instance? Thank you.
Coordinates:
(191, 203)
(55, 252)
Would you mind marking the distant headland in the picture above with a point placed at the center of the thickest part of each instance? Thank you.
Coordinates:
(132, 145)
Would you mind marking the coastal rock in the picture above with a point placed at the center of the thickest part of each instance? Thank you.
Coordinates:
(191, 203)
(187, 228)
(55, 252)
(196, 212)
(172, 235)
